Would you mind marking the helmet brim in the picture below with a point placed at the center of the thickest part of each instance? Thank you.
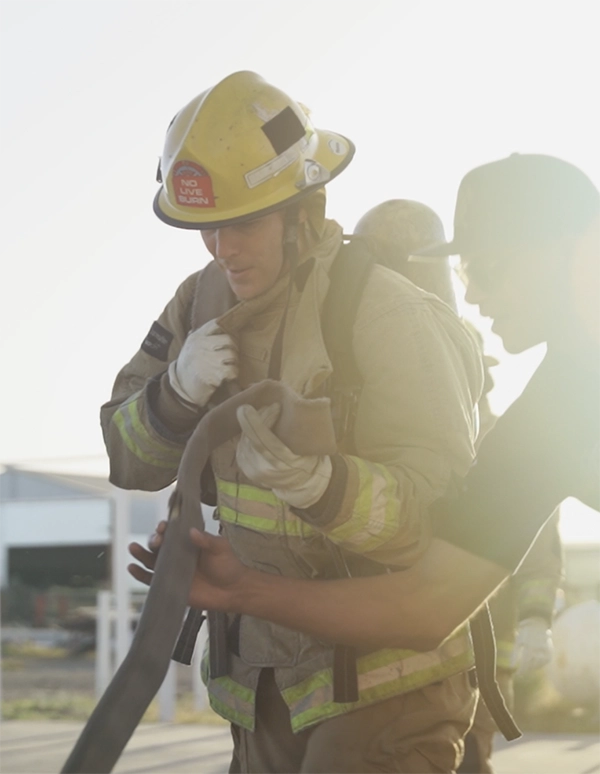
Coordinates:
(172, 216)
(442, 250)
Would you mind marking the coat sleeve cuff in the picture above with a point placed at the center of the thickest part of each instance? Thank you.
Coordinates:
(166, 414)
(324, 511)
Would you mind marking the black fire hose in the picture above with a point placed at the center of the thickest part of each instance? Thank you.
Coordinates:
(305, 426)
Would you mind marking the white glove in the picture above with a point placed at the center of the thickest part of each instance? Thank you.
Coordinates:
(208, 358)
(267, 461)
(533, 646)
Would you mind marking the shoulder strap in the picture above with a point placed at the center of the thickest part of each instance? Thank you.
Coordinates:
(348, 277)
(484, 646)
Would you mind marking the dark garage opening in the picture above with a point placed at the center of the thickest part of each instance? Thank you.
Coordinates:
(44, 566)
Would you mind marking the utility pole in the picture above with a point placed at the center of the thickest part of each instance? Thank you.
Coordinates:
(121, 518)
(1, 697)
(167, 693)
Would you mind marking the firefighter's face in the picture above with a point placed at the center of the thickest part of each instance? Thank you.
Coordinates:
(250, 253)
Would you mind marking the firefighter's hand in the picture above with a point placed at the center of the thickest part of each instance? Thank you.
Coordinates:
(533, 645)
(219, 577)
(298, 480)
(207, 359)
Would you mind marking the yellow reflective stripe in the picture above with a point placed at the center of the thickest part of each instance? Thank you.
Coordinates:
(408, 661)
(275, 526)
(373, 520)
(365, 493)
(538, 594)
(229, 699)
(247, 492)
(252, 522)
(167, 452)
(204, 662)
(235, 689)
(225, 711)
(123, 428)
(232, 701)
(259, 509)
(382, 675)
(304, 718)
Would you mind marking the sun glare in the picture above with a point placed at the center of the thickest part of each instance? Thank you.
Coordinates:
(578, 523)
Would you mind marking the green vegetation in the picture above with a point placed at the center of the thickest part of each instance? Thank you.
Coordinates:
(44, 706)
(48, 704)
(65, 705)
(28, 649)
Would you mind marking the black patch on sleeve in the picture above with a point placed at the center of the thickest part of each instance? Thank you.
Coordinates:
(283, 130)
(157, 342)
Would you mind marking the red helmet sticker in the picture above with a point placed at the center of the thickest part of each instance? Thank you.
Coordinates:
(192, 185)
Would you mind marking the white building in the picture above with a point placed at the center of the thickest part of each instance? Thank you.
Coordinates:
(58, 530)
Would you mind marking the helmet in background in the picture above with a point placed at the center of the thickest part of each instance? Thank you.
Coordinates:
(396, 229)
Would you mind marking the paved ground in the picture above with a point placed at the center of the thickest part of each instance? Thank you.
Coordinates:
(42, 747)
(548, 754)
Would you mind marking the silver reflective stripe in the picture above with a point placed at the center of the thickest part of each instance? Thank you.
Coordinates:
(258, 509)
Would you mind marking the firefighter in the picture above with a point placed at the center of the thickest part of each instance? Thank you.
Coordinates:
(245, 166)
(527, 229)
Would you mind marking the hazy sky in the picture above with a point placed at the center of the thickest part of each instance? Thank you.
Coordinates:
(426, 90)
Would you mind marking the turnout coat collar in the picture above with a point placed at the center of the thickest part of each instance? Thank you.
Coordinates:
(305, 363)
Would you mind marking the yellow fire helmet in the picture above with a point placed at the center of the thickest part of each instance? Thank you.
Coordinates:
(241, 150)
